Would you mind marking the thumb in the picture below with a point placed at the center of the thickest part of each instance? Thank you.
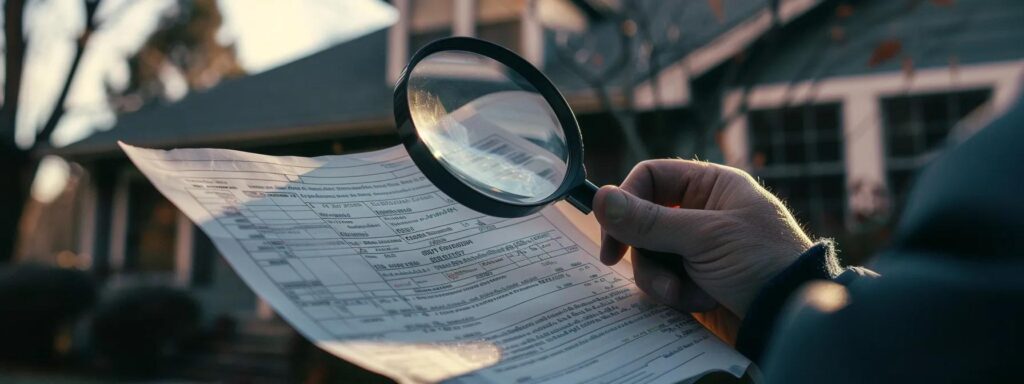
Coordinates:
(641, 223)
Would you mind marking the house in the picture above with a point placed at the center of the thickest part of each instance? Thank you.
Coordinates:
(839, 111)
(833, 104)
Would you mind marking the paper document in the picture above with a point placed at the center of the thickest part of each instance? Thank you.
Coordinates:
(366, 258)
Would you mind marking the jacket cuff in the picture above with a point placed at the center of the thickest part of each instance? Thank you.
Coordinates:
(817, 263)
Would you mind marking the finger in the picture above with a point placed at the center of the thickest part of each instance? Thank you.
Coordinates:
(662, 276)
(641, 223)
(611, 250)
(674, 182)
(665, 182)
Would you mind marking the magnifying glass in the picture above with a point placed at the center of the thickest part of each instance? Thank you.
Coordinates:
(490, 130)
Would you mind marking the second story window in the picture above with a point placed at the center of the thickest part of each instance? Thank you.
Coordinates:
(505, 33)
(797, 153)
(515, 25)
(916, 126)
(417, 39)
(429, 20)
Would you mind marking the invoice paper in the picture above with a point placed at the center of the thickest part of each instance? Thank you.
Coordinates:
(366, 258)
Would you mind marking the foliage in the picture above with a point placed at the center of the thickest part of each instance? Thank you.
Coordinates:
(185, 49)
(185, 44)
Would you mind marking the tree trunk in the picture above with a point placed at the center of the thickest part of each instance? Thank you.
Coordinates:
(14, 60)
(20, 167)
(16, 162)
(21, 163)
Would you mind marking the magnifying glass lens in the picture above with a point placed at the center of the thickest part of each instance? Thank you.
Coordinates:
(488, 126)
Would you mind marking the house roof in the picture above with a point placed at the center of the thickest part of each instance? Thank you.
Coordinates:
(311, 97)
(341, 91)
(698, 25)
(928, 34)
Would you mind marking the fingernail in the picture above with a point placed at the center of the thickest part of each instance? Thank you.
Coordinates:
(664, 287)
(615, 205)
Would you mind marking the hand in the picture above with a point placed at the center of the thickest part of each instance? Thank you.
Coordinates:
(724, 236)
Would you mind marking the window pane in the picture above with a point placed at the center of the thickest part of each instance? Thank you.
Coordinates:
(935, 134)
(919, 124)
(418, 40)
(793, 122)
(923, 119)
(826, 120)
(901, 144)
(934, 109)
(761, 156)
(505, 34)
(827, 133)
(760, 129)
(794, 152)
(809, 133)
(806, 177)
(897, 112)
(828, 150)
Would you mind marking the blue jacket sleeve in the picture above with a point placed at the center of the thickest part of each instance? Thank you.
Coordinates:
(817, 263)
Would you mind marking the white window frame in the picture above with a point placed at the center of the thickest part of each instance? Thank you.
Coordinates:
(860, 97)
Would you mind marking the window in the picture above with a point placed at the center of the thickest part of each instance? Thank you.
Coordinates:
(495, 21)
(797, 153)
(916, 127)
(152, 229)
(429, 20)
(503, 33)
(420, 38)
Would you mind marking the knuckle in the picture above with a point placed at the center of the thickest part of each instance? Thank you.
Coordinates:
(739, 178)
(643, 166)
(734, 173)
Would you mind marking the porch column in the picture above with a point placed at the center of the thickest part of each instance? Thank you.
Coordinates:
(119, 222)
(398, 41)
(464, 18)
(531, 34)
(183, 250)
(102, 178)
(86, 236)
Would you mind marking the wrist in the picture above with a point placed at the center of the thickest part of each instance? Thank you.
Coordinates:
(818, 262)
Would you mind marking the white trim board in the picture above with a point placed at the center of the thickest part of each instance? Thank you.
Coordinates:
(1002, 77)
(860, 96)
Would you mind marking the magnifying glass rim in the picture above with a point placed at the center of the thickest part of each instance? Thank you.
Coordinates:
(450, 184)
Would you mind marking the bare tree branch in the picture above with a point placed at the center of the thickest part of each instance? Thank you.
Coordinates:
(597, 79)
(14, 60)
(43, 137)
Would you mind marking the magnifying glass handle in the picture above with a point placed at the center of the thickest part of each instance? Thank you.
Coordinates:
(582, 197)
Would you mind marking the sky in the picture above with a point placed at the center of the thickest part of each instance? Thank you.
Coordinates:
(266, 34)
